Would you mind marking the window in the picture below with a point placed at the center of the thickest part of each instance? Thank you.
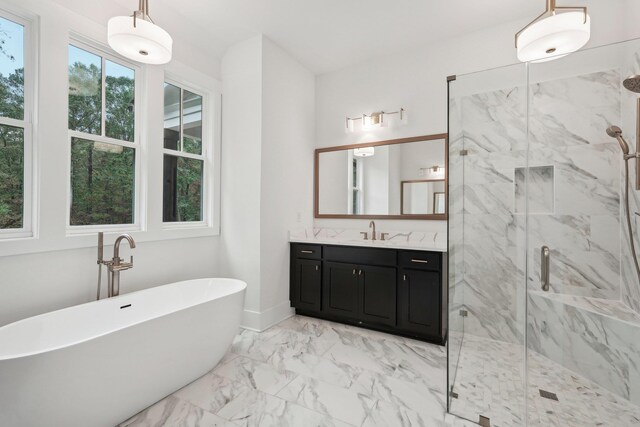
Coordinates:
(356, 186)
(102, 117)
(15, 128)
(184, 156)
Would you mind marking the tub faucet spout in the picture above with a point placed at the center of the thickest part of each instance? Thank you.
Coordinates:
(117, 264)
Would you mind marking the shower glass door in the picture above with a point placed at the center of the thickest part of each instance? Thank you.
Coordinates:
(544, 299)
(487, 250)
(583, 329)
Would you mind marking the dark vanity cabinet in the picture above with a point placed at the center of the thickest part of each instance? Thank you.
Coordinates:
(396, 291)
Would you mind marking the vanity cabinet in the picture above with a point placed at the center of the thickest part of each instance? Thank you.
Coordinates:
(396, 291)
(360, 292)
(308, 284)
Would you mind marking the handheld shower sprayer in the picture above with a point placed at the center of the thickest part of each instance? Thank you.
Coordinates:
(616, 132)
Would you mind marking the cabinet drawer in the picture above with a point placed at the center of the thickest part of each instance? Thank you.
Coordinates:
(358, 255)
(420, 259)
(307, 251)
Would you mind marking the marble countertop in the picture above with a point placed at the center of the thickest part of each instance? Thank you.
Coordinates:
(413, 240)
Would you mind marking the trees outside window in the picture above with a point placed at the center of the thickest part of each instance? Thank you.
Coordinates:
(14, 129)
(102, 135)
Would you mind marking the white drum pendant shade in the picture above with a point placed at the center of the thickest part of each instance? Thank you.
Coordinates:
(364, 152)
(554, 37)
(146, 42)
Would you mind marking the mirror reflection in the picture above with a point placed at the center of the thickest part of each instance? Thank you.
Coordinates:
(399, 178)
(423, 197)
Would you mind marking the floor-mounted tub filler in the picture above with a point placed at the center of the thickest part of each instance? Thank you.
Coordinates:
(99, 363)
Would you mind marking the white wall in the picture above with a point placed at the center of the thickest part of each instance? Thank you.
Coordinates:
(42, 282)
(416, 80)
(268, 127)
(375, 186)
(287, 156)
(55, 270)
(241, 166)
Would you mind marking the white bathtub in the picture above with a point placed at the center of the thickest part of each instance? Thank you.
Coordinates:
(99, 363)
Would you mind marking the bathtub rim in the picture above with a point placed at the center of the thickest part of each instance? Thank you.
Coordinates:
(16, 356)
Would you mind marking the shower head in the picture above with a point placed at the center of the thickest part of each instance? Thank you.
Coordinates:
(616, 132)
(632, 83)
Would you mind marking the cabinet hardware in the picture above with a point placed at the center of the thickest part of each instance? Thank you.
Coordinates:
(360, 273)
(306, 252)
(354, 271)
(317, 268)
(421, 261)
(404, 277)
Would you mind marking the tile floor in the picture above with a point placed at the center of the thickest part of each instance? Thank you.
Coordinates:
(306, 372)
(490, 381)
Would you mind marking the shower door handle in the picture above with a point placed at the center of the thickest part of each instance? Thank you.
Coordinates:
(544, 268)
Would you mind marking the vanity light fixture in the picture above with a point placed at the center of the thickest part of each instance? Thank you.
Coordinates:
(433, 170)
(556, 33)
(373, 120)
(364, 152)
(138, 38)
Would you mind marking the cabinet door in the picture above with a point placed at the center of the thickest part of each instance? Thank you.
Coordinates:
(378, 294)
(419, 305)
(308, 285)
(340, 289)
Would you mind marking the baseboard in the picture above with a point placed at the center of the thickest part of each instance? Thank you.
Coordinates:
(260, 321)
(251, 320)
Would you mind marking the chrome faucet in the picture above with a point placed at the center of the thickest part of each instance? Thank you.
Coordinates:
(373, 234)
(115, 265)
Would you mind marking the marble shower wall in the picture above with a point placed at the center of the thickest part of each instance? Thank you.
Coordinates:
(630, 283)
(596, 338)
(568, 119)
(574, 183)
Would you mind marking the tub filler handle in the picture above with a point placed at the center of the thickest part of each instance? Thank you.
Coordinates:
(544, 268)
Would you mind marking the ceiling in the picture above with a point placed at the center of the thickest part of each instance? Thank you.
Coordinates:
(324, 35)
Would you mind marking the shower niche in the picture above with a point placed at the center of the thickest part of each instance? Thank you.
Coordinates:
(541, 193)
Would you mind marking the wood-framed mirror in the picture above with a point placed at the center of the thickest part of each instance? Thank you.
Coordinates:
(402, 178)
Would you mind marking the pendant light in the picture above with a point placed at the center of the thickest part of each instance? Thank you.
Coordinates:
(138, 38)
(558, 32)
(364, 152)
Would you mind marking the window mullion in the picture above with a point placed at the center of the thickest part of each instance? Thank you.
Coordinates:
(103, 120)
(7, 121)
(181, 120)
(175, 153)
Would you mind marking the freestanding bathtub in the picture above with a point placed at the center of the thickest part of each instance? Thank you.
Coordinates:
(99, 363)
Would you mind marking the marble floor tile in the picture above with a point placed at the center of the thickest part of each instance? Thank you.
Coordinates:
(306, 372)
(255, 409)
(346, 405)
(173, 412)
(490, 381)
(320, 368)
(255, 374)
(387, 414)
(402, 394)
(358, 358)
(212, 392)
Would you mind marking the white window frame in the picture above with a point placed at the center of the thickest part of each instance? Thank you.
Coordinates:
(137, 145)
(29, 202)
(358, 187)
(206, 157)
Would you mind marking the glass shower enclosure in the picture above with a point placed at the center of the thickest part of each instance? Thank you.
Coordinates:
(544, 298)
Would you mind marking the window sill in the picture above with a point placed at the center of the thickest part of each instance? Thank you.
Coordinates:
(87, 238)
